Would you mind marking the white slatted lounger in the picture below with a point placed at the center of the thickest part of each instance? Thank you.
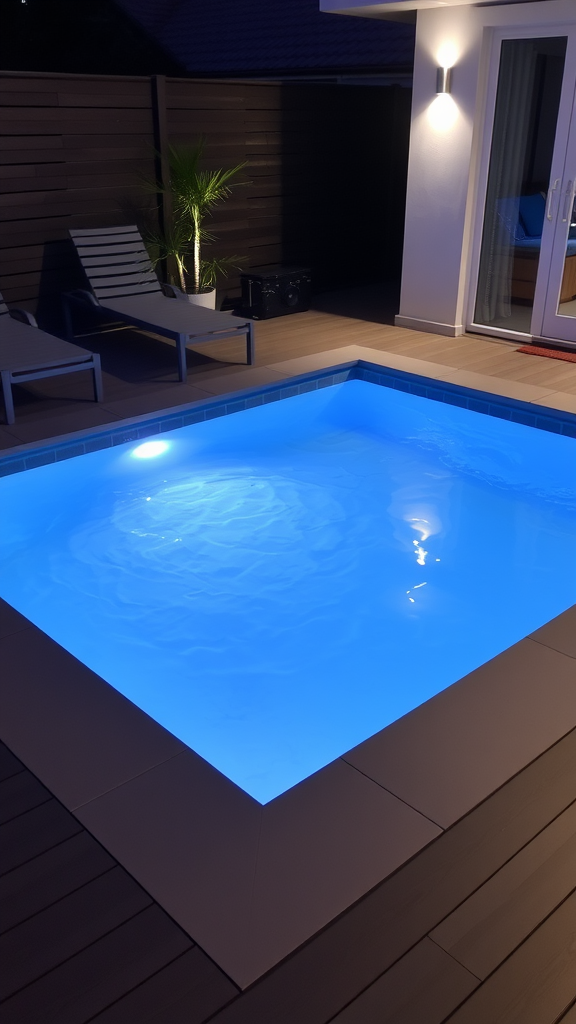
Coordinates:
(27, 353)
(125, 287)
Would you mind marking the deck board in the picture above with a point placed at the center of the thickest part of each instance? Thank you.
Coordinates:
(78, 936)
(492, 922)
(425, 985)
(99, 974)
(536, 983)
(20, 793)
(186, 991)
(33, 886)
(33, 832)
(362, 944)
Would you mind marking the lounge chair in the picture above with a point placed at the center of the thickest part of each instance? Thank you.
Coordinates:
(27, 353)
(124, 286)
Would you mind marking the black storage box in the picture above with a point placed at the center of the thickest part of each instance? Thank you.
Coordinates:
(275, 291)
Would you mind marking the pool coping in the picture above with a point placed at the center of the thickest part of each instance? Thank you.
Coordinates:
(251, 883)
(81, 442)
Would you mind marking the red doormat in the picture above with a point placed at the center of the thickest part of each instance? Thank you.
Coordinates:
(551, 353)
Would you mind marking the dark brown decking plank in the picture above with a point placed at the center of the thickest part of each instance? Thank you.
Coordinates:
(423, 986)
(187, 991)
(49, 877)
(71, 924)
(482, 932)
(59, 913)
(9, 765)
(34, 832)
(20, 793)
(569, 1017)
(536, 983)
(83, 986)
(312, 985)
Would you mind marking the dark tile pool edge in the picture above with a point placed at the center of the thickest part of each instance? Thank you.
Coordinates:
(541, 417)
(135, 428)
(41, 453)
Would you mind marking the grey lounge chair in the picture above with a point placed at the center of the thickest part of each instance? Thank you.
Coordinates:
(125, 287)
(27, 353)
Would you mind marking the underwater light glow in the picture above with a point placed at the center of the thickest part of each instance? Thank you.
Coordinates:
(285, 581)
(150, 449)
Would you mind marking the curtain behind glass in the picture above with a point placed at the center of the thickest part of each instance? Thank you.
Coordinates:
(512, 124)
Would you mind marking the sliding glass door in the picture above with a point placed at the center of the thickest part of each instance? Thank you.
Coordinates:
(527, 268)
(559, 299)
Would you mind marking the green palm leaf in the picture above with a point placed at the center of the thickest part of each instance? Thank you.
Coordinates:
(194, 192)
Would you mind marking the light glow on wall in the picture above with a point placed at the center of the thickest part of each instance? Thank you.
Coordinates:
(447, 55)
(442, 113)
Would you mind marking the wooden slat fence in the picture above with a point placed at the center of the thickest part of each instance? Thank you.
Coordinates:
(325, 165)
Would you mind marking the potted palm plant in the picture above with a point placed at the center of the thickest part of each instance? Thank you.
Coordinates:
(193, 193)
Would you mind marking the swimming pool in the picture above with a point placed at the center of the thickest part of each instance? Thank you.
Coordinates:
(403, 543)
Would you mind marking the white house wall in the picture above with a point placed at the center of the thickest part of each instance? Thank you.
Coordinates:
(445, 149)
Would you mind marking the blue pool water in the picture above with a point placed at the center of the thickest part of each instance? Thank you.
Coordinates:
(277, 585)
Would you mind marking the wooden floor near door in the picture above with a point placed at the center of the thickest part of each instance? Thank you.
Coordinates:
(139, 370)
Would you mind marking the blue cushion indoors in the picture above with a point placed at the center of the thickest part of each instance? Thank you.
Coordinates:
(532, 210)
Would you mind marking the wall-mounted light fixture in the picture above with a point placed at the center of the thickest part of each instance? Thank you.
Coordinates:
(443, 80)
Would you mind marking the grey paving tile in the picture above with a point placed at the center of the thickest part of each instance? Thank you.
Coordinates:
(190, 837)
(410, 364)
(499, 385)
(316, 361)
(324, 844)
(243, 379)
(11, 621)
(93, 415)
(515, 707)
(495, 919)
(137, 405)
(559, 633)
(559, 400)
(9, 765)
(7, 439)
(425, 985)
(59, 718)
(355, 949)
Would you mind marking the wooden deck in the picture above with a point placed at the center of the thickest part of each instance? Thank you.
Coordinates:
(478, 928)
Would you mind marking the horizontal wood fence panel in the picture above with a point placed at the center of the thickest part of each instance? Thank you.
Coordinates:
(61, 115)
(76, 149)
(32, 148)
(88, 100)
(25, 183)
(48, 81)
(32, 99)
(90, 147)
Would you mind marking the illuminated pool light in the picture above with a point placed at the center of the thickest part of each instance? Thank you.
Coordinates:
(150, 449)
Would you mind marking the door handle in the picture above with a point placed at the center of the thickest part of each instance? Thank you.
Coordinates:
(568, 197)
(551, 192)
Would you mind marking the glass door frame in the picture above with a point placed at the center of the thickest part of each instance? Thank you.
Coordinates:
(555, 326)
(487, 95)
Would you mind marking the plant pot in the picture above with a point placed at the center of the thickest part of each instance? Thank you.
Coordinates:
(207, 297)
